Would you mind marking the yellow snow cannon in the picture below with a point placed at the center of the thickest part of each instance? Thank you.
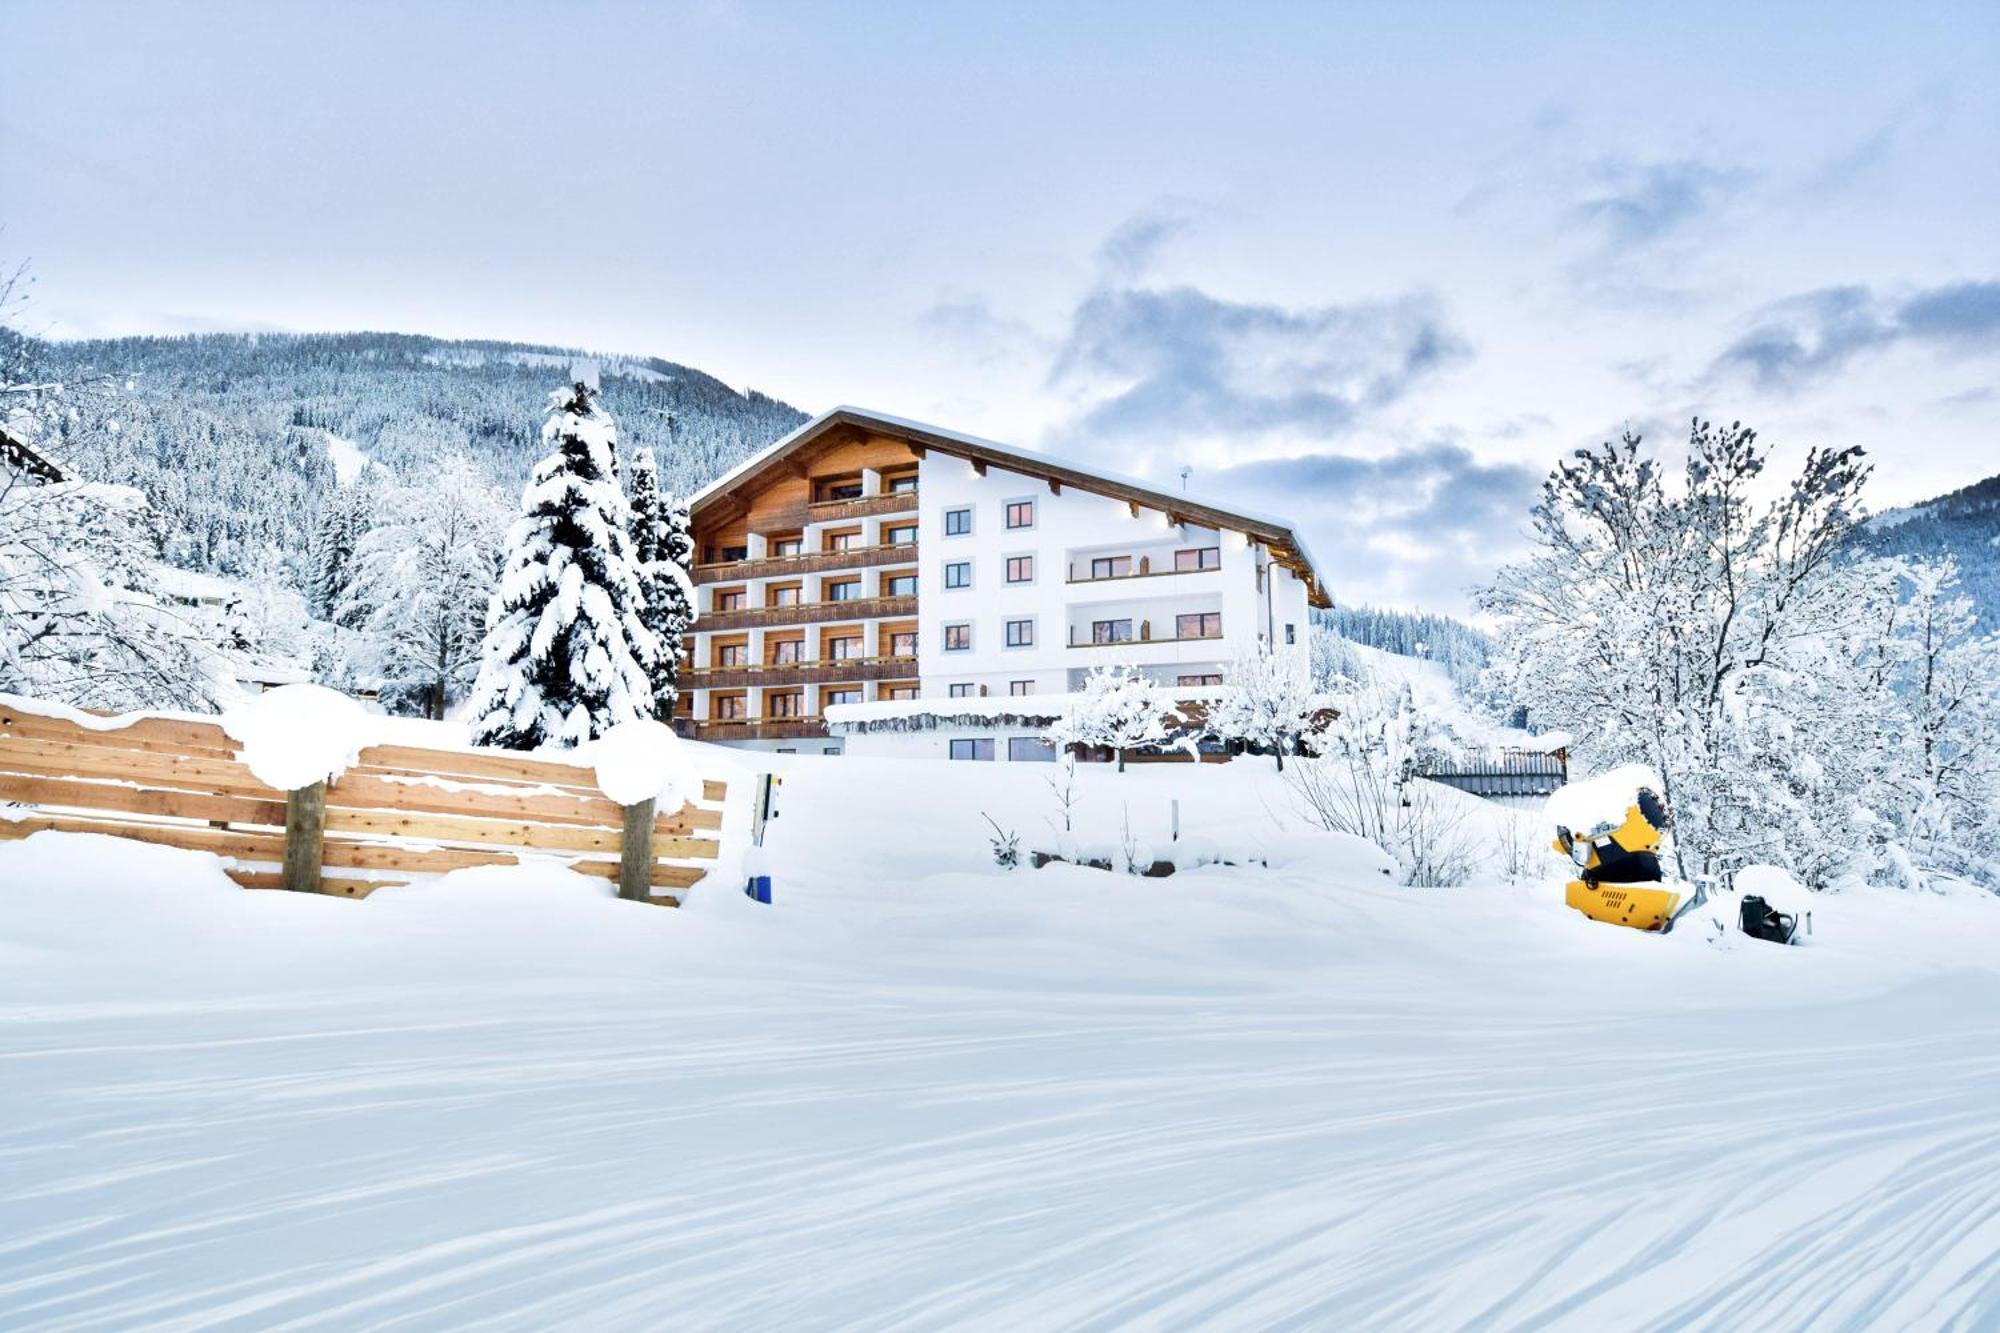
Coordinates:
(1621, 868)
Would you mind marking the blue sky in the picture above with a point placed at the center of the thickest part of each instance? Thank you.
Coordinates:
(1374, 266)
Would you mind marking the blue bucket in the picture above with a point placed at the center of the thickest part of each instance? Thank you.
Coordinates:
(759, 888)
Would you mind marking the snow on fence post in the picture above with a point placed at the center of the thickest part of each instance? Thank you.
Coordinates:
(296, 738)
(640, 766)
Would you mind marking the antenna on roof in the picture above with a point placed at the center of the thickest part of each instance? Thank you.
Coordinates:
(1186, 472)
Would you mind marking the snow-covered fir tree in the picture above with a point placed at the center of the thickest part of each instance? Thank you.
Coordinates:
(335, 537)
(663, 542)
(564, 655)
(423, 579)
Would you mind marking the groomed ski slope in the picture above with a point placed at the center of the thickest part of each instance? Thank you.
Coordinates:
(920, 1094)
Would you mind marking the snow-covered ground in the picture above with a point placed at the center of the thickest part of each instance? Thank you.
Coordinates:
(918, 1092)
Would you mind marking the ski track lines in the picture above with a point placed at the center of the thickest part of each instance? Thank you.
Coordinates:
(752, 1168)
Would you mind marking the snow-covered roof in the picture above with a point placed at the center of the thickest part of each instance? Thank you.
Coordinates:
(1036, 463)
(192, 585)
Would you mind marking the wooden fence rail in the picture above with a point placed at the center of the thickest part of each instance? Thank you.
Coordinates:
(400, 811)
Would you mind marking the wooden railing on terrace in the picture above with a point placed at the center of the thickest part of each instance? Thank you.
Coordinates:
(810, 613)
(750, 728)
(398, 814)
(823, 670)
(810, 562)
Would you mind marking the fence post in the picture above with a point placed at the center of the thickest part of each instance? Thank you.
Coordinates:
(305, 834)
(635, 854)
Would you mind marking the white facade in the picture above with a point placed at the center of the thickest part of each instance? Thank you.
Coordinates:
(1180, 628)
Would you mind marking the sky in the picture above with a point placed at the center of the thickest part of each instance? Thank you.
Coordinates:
(1373, 267)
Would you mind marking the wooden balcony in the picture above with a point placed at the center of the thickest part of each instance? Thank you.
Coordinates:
(750, 728)
(824, 671)
(808, 613)
(1148, 574)
(833, 511)
(812, 562)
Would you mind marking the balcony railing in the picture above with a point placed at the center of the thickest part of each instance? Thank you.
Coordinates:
(809, 562)
(809, 613)
(1136, 574)
(866, 506)
(1088, 642)
(826, 670)
(749, 728)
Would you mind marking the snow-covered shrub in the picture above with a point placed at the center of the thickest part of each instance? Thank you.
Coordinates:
(1268, 704)
(565, 650)
(80, 619)
(1119, 709)
(1006, 844)
(1804, 708)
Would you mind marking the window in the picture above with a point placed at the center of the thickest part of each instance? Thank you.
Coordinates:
(903, 534)
(1291, 633)
(903, 485)
(847, 489)
(1202, 625)
(1020, 634)
(1017, 688)
(844, 695)
(729, 601)
(845, 649)
(1208, 678)
(900, 692)
(957, 638)
(788, 749)
(786, 596)
(788, 546)
(957, 522)
(1110, 631)
(1110, 566)
(1020, 513)
(1020, 569)
(785, 704)
(848, 591)
(900, 585)
(786, 651)
(1029, 750)
(729, 706)
(981, 749)
(732, 654)
(961, 690)
(958, 574)
(735, 553)
(903, 643)
(830, 749)
(1197, 557)
(842, 541)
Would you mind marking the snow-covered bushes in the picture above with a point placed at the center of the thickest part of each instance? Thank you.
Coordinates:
(1830, 715)
(80, 619)
(1118, 709)
(1268, 705)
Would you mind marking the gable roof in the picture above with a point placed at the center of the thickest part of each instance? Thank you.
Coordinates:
(1287, 547)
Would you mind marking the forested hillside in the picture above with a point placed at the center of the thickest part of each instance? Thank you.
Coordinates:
(236, 437)
(1964, 525)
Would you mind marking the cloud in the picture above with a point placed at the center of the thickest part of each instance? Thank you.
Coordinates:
(1868, 159)
(1639, 203)
(1418, 526)
(1131, 251)
(1806, 337)
(1162, 363)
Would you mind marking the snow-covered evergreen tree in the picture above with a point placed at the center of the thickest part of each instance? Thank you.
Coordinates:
(423, 579)
(1266, 704)
(565, 647)
(663, 542)
(1117, 708)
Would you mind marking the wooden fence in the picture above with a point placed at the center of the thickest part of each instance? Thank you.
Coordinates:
(1509, 773)
(400, 812)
